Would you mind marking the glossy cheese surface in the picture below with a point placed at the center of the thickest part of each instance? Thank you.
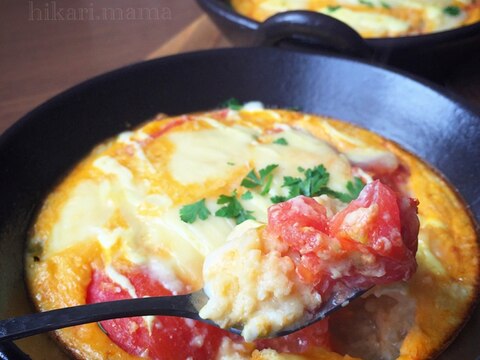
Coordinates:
(375, 18)
(121, 207)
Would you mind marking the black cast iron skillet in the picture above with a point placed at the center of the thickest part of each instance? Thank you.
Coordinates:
(38, 150)
(431, 55)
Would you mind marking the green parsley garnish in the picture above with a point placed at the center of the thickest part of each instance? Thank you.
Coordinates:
(233, 209)
(452, 10)
(314, 184)
(233, 104)
(366, 2)
(354, 188)
(281, 141)
(315, 180)
(230, 163)
(190, 213)
(267, 186)
(385, 5)
(251, 180)
(264, 179)
(267, 170)
(333, 8)
(278, 199)
(247, 196)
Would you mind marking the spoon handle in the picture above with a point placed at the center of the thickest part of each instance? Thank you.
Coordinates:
(27, 325)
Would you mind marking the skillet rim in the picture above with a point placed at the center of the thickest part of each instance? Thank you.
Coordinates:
(15, 127)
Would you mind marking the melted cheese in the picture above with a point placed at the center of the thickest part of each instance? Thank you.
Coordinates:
(84, 214)
(213, 151)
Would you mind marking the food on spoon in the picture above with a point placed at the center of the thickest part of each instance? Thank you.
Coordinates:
(269, 277)
(139, 215)
(375, 18)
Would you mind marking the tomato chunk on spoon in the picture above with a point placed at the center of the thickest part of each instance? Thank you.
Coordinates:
(371, 241)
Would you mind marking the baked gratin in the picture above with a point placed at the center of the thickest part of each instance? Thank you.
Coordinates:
(141, 213)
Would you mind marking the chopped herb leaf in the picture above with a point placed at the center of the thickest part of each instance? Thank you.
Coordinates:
(278, 199)
(366, 2)
(281, 141)
(190, 213)
(230, 163)
(333, 8)
(267, 170)
(233, 209)
(312, 185)
(247, 196)
(253, 180)
(225, 199)
(232, 103)
(293, 184)
(267, 186)
(315, 183)
(315, 180)
(354, 188)
(452, 10)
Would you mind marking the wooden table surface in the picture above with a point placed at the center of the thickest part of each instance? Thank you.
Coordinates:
(42, 52)
(47, 46)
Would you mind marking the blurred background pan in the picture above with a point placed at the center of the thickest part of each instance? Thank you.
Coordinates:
(432, 55)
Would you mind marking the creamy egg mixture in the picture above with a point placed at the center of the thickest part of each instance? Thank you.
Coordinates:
(376, 18)
(267, 296)
(158, 198)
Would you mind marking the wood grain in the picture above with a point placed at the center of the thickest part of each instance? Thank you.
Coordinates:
(40, 58)
(201, 34)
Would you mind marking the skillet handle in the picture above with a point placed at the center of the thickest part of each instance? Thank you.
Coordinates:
(310, 30)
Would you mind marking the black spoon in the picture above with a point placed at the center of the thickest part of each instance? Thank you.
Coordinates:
(182, 306)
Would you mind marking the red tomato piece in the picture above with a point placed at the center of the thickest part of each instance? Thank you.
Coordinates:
(373, 219)
(409, 222)
(168, 338)
(372, 241)
(380, 226)
(300, 222)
